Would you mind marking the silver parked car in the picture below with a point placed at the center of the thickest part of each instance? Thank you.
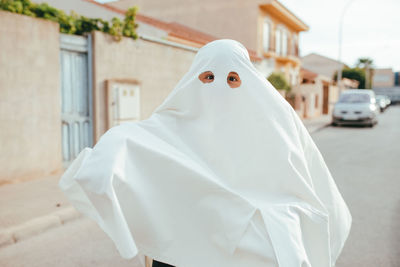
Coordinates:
(356, 107)
(388, 101)
(382, 102)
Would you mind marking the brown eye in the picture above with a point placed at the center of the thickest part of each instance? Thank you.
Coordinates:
(206, 77)
(233, 80)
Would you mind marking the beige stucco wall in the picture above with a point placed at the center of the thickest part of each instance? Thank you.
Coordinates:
(157, 67)
(30, 133)
(334, 94)
(383, 78)
(233, 19)
(310, 92)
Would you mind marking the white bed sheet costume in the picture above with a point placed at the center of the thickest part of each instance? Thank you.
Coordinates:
(214, 177)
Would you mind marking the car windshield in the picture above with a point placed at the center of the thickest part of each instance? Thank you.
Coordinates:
(354, 98)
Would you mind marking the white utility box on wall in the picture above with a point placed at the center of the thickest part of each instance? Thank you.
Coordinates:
(123, 99)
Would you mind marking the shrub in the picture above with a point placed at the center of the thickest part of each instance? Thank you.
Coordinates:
(357, 74)
(74, 23)
(278, 80)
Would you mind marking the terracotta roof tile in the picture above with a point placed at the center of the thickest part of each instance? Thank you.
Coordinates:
(307, 74)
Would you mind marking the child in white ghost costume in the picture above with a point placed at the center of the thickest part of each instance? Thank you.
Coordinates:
(217, 176)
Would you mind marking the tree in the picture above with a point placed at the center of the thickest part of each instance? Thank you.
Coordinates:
(367, 65)
(363, 62)
(357, 74)
(278, 80)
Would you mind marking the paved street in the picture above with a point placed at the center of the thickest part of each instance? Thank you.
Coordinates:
(364, 162)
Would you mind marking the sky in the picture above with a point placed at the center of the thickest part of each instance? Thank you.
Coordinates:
(371, 28)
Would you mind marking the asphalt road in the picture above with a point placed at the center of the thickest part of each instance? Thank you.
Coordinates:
(365, 163)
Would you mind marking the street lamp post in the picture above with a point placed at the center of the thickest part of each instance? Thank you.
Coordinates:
(339, 74)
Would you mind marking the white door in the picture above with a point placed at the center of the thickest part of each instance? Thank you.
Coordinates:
(76, 115)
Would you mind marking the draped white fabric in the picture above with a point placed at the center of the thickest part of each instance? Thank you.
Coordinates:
(214, 177)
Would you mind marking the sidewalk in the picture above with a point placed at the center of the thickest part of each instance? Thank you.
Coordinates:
(314, 125)
(29, 208)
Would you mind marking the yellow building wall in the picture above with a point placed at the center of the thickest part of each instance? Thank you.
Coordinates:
(288, 64)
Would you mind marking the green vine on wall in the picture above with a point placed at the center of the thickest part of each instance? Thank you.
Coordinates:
(74, 23)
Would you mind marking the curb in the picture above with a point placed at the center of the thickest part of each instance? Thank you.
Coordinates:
(35, 226)
(319, 128)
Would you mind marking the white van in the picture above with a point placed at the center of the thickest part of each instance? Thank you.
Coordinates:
(356, 107)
